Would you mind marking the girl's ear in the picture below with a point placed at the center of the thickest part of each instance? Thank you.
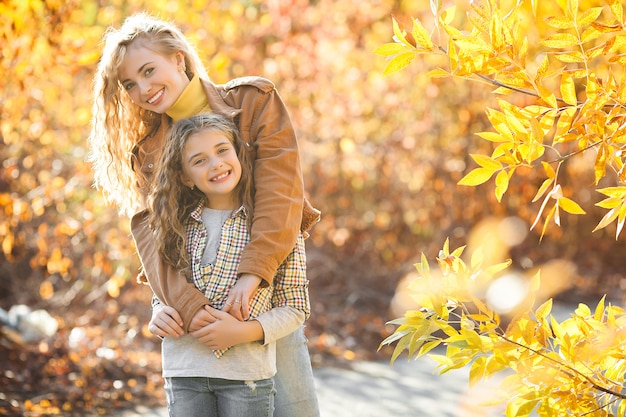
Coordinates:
(186, 181)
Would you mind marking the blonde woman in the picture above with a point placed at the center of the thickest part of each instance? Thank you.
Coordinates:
(150, 76)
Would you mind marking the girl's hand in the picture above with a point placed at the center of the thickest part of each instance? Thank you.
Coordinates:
(202, 318)
(227, 331)
(238, 301)
(165, 322)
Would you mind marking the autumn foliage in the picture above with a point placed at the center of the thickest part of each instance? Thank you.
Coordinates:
(382, 158)
(567, 62)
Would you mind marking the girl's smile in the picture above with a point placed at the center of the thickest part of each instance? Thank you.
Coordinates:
(210, 163)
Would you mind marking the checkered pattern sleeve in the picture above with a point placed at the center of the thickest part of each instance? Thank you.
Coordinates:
(291, 286)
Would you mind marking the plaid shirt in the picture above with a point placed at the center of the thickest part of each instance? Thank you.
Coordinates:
(290, 285)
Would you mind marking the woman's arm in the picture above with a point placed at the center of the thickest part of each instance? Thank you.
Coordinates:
(169, 286)
(279, 191)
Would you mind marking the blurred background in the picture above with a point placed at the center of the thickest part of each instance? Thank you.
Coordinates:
(381, 158)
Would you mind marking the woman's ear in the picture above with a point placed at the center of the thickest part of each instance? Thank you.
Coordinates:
(180, 61)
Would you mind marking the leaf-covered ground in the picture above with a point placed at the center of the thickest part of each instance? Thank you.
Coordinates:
(103, 360)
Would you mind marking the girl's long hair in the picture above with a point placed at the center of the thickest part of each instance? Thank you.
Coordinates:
(171, 202)
(117, 123)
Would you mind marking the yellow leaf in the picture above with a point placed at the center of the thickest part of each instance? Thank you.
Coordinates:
(560, 22)
(608, 218)
(495, 32)
(599, 312)
(568, 89)
(486, 162)
(498, 121)
(589, 16)
(564, 124)
(476, 177)
(570, 57)
(542, 70)
(390, 49)
(543, 311)
(400, 34)
(399, 62)
(502, 184)
(620, 221)
(493, 137)
(617, 192)
(611, 202)
(547, 96)
(570, 206)
(471, 44)
(477, 370)
(590, 34)
(618, 43)
(421, 36)
(617, 10)
(542, 190)
(599, 167)
(560, 41)
(438, 73)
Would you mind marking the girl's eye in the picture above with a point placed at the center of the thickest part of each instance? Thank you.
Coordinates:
(222, 150)
(198, 161)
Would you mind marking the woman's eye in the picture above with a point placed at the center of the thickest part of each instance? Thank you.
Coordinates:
(148, 71)
(129, 86)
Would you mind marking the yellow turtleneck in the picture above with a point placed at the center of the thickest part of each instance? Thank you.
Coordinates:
(192, 101)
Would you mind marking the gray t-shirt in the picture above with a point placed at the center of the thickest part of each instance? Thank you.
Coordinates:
(187, 357)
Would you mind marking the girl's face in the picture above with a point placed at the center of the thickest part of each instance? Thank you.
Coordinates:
(153, 81)
(211, 164)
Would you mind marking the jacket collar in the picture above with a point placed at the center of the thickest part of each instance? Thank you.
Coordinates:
(216, 100)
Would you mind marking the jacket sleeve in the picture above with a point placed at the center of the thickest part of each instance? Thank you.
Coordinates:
(167, 284)
(279, 197)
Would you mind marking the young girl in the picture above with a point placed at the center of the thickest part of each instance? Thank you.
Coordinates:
(201, 210)
(149, 76)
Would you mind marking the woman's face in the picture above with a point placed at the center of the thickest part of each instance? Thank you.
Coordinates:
(153, 81)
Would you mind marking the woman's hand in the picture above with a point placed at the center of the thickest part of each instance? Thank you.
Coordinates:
(165, 322)
(238, 301)
(226, 331)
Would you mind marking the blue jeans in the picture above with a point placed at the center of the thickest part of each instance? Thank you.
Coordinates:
(295, 387)
(213, 397)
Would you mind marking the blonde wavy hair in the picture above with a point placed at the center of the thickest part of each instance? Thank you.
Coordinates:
(117, 123)
(171, 202)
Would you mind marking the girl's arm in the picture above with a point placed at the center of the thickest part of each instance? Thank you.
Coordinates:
(223, 330)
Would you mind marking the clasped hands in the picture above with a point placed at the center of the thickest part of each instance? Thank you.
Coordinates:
(216, 329)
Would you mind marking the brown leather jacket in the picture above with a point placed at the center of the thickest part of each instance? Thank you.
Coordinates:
(280, 206)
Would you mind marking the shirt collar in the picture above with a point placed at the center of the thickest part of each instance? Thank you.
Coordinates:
(192, 101)
(196, 214)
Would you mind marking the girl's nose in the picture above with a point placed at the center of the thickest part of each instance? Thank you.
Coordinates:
(216, 163)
